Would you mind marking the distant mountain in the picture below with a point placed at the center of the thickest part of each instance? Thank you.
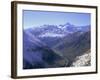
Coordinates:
(37, 55)
(68, 28)
(53, 34)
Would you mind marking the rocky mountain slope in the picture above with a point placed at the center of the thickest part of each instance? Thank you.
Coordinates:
(50, 46)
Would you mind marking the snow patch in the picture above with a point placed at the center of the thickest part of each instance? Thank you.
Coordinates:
(51, 35)
(84, 60)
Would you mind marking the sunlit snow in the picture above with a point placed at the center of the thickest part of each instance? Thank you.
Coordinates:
(51, 35)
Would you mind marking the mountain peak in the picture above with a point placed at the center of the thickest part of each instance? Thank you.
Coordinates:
(68, 24)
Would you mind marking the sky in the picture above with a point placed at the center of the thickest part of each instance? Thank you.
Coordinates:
(38, 18)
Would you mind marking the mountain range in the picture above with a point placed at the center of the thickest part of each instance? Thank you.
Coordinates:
(50, 46)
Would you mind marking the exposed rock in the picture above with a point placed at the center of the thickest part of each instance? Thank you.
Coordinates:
(83, 60)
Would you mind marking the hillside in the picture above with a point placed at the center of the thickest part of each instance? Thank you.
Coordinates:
(73, 47)
(38, 55)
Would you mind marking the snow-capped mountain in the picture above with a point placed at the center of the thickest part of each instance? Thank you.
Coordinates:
(55, 33)
(68, 27)
(57, 30)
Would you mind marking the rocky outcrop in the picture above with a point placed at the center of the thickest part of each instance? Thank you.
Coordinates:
(83, 60)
